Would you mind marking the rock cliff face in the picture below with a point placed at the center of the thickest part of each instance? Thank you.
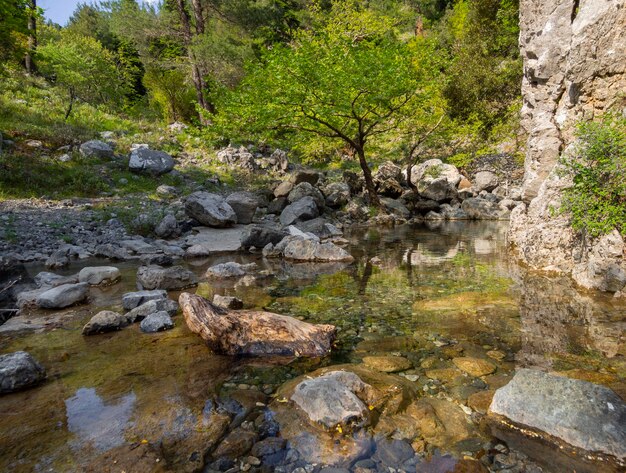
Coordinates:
(574, 68)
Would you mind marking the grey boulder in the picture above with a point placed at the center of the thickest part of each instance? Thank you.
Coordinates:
(210, 209)
(303, 209)
(157, 322)
(150, 161)
(485, 181)
(63, 296)
(96, 149)
(244, 204)
(150, 307)
(229, 270)
(227, 302)
(158, 277)
(304, 189)
(105, 321)
(259, 236)
(19, 370)
(96, 275)
(301, 249)
(130, 300)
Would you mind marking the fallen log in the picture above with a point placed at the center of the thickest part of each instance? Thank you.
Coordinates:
(255, 333)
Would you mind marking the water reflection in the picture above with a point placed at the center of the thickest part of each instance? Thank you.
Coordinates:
(95, 423)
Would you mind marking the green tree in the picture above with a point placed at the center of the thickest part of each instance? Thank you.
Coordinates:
(81, 66)
(349, 79)
(14, 16)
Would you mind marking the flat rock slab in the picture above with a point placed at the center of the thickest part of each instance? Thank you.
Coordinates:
(19, 370)
(63, 296)
(158, 277)
(582, 414)
(208, 241)
(96, 275)
(474, 366)
(387, 364)
(255, 333)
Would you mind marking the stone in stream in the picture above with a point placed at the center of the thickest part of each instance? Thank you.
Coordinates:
(229, 270)
(387, 364)
(227, 302)
(130, 300)
(474, 366)
(150, 161)
(301, 249)
(63, 296)
(96, 275)
(260, 236)
(46, 279)
(151, 307)
(156, 322)
(157, 277)
(19, 370)
(210, 210)
(254, 332)
(542, 414)
(105, 321)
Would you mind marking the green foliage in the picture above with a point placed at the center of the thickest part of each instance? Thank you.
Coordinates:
(13, 30)
(170, 94)
(81, 66)
(597, 198)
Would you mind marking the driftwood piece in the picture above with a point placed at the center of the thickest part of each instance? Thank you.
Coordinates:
(251, 332)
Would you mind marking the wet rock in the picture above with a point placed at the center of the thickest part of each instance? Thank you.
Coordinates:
(260, 236)
(159, 305)
(135, 458)
(485, 181)
(387, 364)
(156, 322)
(244, 204)
(227, 302)
(58, 259)
(300, 249)
(393, 452)
(582, 414)
(210, 209)
(229, 270)
(150, 161)
(157, 277)
(96, 149)
(105, 321)
(236, 444)
(63, 296)
(130, 300)
(19, 370)
(303, 209)
(331, 398)
(46, 279)
(395, 207)
(167, 228)
(480, 401)
(97, 275)
(478, 208)
(474, 366)
(114, 252)
(254, 332)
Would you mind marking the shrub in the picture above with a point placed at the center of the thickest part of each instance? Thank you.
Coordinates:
(597, 198)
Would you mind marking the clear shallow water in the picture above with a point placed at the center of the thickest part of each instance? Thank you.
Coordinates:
(429, 294)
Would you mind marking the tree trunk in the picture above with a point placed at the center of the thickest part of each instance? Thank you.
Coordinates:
(32, 38)
(369, 181)
(70, 106)
(409, 169)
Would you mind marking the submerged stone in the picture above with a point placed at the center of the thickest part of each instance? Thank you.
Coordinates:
(19, 370)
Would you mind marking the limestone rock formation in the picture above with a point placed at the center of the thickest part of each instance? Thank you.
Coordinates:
(249, 332)
(574, 69)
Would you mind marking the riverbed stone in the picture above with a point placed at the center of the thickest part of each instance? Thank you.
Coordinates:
(474, 366)
(585, 415)
(229, 270)
(210, 210)
(156, 322)
(330, 399)
(63, 296)
(244, 204)
(301, 249)
(150, 161)
(151, 307)
(97, 275)
(387, 364)
(259, 236)
(158, 277)
(227, 302)
(105, 321)
(19, 370)
(300, 210)
(130, 300)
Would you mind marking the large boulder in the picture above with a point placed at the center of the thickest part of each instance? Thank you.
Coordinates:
(337, 194)
(303, 209)
(305, 175)
(306, 249)
(254, 332)
(105, 321)
(96, 275)
(167, 228)
(19, 370)
(229, 270)
(569, 415)
(304, 189)
(485, 181)
(244, 204)
(478, 208)
(96, 149)
(388, 170)
(150, 161)
(259, 236)
(158, 277)
(63, 296)
(435, 180)
(130, 300)
(210, 209)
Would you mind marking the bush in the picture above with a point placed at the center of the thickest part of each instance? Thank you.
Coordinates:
(597, 198)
